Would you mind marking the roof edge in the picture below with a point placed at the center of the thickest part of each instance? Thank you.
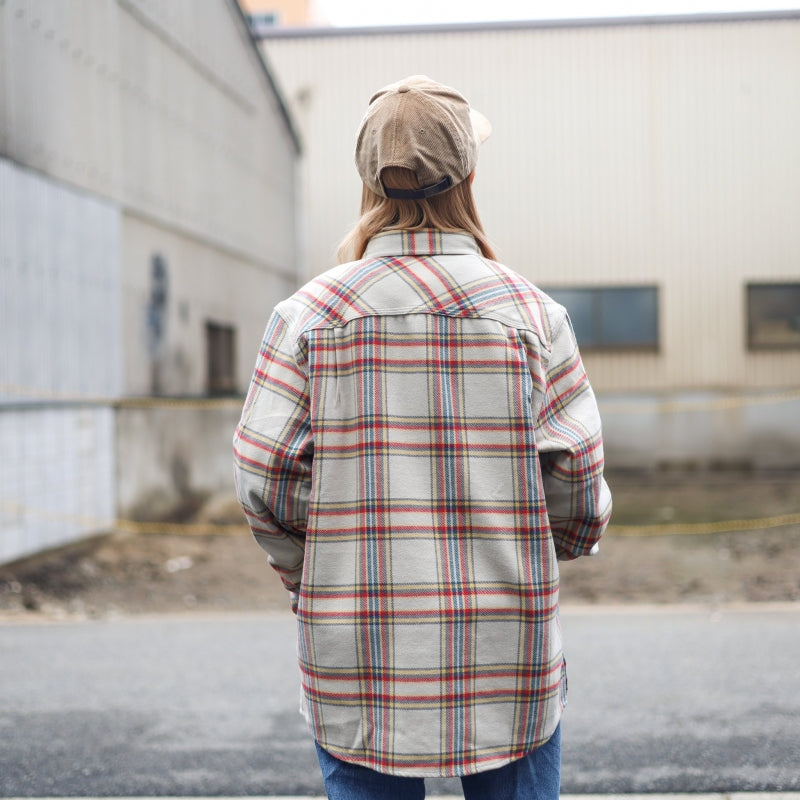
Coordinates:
(506, 25)
(273, 84)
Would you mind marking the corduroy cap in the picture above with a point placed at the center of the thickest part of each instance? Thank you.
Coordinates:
(425, 127)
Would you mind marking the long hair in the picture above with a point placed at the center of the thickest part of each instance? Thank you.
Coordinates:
(453, 211)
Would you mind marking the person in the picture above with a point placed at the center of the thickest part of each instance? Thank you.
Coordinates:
(418, 448)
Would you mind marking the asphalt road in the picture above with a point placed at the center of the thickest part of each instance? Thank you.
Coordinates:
(665, 700)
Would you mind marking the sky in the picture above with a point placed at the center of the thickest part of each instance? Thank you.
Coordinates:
(348, 13)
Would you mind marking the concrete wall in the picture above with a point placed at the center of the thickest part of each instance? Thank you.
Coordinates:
(691, 431)
(203, 283)
(175, 458)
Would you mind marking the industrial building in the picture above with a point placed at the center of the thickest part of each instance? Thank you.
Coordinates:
(148, 224)
(644, 171)
(163, 184)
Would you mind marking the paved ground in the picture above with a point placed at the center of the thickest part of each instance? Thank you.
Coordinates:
(104, 691)
(717, 796)
(662, 700)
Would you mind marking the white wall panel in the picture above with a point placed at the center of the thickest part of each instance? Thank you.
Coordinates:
(60, 274)
(60, 330)
(57, 477)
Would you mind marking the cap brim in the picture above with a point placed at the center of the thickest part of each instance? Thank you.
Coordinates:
(480, 125)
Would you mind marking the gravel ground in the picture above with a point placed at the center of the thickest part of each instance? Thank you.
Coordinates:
(125, 573)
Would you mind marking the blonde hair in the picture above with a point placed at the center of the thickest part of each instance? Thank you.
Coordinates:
(453, 211)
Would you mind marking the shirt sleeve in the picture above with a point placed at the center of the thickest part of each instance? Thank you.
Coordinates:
(273, 451)
(570, 446)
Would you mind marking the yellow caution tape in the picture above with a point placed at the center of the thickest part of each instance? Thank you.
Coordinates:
(128, 525)
(648, 405)
(692, 528)
(182, 528)
(27, 394)
(235, 529)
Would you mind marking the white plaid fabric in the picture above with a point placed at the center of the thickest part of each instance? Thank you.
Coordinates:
(418, 448)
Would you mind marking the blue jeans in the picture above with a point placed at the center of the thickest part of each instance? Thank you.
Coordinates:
(537, 776)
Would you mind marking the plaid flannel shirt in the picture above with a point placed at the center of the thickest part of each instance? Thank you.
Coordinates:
(418, 447)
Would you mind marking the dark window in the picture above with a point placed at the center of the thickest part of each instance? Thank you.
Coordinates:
(612, 317)
(221, 343)
(263, 22)
(773, 315)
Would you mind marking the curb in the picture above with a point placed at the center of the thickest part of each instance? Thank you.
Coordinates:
(778, 795)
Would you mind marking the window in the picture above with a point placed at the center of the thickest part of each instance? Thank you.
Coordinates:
(221, 346)
(773, 315)
(261, 23)
(612, 317)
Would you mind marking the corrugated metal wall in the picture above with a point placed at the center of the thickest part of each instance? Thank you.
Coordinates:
(664, 154)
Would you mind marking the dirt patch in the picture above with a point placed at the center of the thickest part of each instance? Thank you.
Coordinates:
(758, 565)
(126, 573)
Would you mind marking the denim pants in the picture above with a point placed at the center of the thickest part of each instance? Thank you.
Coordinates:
(537, 776)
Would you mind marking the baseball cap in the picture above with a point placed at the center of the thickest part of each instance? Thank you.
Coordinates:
(425, 127)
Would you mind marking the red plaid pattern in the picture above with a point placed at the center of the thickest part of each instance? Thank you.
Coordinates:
(418, 448)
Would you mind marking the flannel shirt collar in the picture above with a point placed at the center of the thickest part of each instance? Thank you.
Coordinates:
(423, 242)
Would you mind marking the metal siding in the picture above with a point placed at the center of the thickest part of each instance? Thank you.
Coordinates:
(621, 154)
(60, 328)
(156, 107)
(203, 147)
(60, 270)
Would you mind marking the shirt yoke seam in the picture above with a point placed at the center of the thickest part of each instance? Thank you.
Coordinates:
(514, 324)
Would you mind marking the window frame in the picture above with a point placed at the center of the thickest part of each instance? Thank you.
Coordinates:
(220, 381)
(750, 335)
(596, 292)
